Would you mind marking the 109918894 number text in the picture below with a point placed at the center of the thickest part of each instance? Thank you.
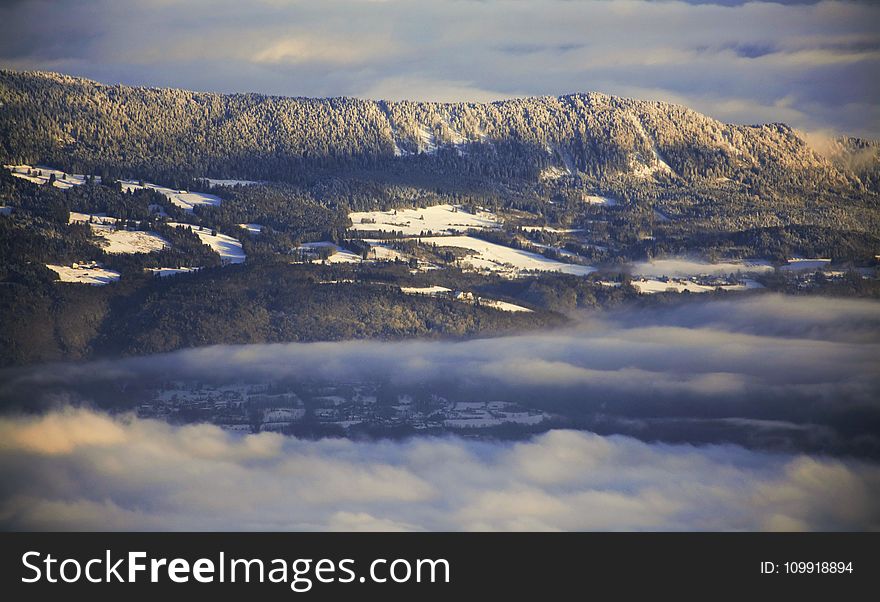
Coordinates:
(806, 567)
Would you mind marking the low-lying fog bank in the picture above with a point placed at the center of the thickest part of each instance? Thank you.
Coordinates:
(793, 381)
(767, 372)
(78, 469)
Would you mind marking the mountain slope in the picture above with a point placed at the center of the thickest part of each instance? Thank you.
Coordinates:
(81, 125)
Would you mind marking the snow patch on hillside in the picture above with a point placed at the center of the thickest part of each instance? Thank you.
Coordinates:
(128, 241)
(468, 415)
(426, 140)
(336, 253)
(452, 135)
(503, 305)
(99, 218)
(412, 222)
(116, 241)
(493, 257)
(228, 248)
(85, 273)
(552, 173)
(465, 297)
(551, 229)
(381, 252)
(425, 290)
(798, 264)
(251, 228)
(649, 286)
(41, 175)
(594, 199)
(645, 167)
(564, 155)
(181, 198)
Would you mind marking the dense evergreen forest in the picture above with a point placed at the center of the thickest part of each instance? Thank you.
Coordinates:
(668, 157)
(238, 304)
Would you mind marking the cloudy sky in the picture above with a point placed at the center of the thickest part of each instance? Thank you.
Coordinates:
(811, 64)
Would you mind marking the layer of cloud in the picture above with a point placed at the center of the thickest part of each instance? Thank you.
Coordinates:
(799, 370)
(683, 267)
(767, 371)
(143, 474)
(811, 64)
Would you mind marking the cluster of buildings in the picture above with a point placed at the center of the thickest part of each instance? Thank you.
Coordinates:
(255, 408)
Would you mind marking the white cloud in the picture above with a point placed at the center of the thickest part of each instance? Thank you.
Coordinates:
(321, 49)
(734, 60)
(430, 90)
(152, 477)
(796, 368)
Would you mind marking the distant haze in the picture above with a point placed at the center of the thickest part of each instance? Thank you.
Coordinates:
(810, 64)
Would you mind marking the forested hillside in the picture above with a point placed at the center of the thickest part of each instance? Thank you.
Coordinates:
(579, 193)
(668, 156)
(83, 126)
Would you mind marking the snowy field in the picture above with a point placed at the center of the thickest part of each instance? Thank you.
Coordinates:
(338, 254)
(380, 252)
(550, 229)
(648, 168)
(425, 290)
(682, 267)
(437, 291)
(228, 248)
(97, 218)
(798, 264)
(503, 305)
(128, 241)
(251, 228)
(412, 222)
(181, 198)
(649, 286)
(486, 414)
(116, 241)
(594, 199)
(552, 173)
(84, 274)
(62, 180)
(505, 260)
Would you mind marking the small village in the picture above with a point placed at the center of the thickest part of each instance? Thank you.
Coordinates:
(252, 408)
